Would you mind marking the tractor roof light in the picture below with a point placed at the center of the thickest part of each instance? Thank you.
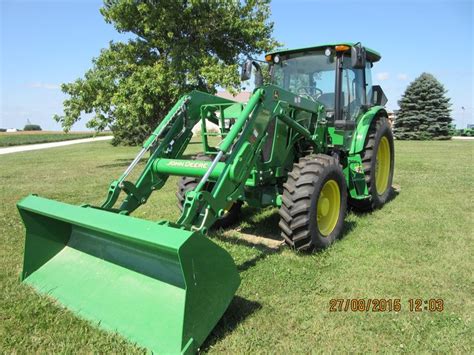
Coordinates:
(269, 58)
(342, 48)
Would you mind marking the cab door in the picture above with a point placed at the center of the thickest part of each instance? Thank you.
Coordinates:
(353, 91)
(351, 101)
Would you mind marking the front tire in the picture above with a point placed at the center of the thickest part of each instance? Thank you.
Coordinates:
(313, 203)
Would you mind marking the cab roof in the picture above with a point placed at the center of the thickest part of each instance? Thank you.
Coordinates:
(372, 56)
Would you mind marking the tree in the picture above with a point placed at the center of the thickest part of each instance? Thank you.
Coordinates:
(176, 46)
(424, 111)
(32, 127)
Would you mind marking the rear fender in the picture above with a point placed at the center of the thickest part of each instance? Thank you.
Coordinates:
(363, 126)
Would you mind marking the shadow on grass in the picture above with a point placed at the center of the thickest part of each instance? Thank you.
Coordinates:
(239, 309)
(266, 226)
(394, 192)
(346, 229)
(264, 251)
(253, 261)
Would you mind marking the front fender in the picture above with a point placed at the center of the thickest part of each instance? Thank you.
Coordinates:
(363, 126)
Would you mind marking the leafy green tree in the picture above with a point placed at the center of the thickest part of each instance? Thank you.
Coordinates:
(467, 132)
(176, 46)
(424, 111)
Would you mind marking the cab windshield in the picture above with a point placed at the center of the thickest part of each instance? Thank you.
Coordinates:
(310, 74)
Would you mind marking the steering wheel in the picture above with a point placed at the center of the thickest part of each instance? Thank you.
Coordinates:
(306, 91)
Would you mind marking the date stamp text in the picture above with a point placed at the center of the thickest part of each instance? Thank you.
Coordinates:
(385, 305)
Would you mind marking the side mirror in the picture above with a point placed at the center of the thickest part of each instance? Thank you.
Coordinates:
(246, 72)
(258, 78)
(378, 97)
(358, 56)
(258, 75)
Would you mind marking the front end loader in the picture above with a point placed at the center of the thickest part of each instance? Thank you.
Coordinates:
(312, 141)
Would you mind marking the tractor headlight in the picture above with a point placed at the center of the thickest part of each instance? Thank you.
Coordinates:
(276, 59)
(328, 52)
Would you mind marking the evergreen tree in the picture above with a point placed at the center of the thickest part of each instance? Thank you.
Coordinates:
(424, 111)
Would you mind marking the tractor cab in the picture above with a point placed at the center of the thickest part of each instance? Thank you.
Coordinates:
(338, 76)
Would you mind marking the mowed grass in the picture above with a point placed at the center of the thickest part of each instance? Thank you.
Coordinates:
(420, 245)
(34, 137)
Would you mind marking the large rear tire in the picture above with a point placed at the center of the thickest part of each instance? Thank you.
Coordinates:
(313, 203)
(186, 184)
(378, 159)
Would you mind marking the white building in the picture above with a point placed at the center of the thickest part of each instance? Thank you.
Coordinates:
(243, 96)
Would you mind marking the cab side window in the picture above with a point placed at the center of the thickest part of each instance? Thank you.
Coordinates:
(353, 90)
(368, 83)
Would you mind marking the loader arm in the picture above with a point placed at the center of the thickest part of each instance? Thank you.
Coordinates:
(240, 150)
(168, 140)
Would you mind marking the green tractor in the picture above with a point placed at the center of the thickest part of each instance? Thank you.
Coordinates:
(313, 141)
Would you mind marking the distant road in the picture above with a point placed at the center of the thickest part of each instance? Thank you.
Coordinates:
(464, 138)
(25, 148)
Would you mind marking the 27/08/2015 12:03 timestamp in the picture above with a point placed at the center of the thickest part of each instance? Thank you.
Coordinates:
(385, 305)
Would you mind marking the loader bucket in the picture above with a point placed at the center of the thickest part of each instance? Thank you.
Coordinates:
(164, 288)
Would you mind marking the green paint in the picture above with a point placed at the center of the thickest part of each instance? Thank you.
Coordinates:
(182, 167)
(337, 137)
(363, 125)
(355, 177)
(159, 286)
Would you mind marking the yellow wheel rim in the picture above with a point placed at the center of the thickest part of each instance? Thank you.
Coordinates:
(329, 206)
(382, 166)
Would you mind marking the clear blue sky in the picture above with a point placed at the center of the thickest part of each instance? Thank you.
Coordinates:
(46, 43)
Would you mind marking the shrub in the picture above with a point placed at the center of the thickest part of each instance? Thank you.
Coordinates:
(32, 127)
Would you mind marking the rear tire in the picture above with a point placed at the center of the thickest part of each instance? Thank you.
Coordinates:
(186, 184)
(313, 203)
(378, 159)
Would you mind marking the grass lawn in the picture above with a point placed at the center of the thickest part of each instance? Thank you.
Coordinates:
(420, 245)
(33, 137)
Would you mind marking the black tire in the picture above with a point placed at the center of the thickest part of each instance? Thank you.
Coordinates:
(186, 184)
(299, 209)
(378, 130)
